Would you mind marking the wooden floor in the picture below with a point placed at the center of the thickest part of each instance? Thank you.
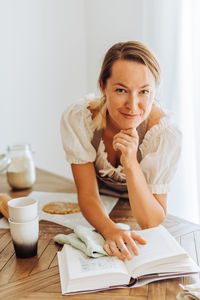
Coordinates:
(38, 277)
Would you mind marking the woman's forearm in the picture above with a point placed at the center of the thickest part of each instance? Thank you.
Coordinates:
(145, 207)
(89, 200)
(94, 211)
(148, 209)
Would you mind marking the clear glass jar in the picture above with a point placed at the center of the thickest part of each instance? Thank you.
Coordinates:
(21, 170)
(4, 162)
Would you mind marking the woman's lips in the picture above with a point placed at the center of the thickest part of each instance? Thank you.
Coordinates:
(130, 116)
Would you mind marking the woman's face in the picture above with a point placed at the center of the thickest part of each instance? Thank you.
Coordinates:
(129, 93)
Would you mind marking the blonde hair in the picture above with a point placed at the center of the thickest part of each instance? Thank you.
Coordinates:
(133, 51)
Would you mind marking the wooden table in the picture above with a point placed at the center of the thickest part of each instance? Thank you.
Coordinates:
(38, 277)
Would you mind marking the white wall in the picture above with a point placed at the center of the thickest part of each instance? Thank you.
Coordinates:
(109, 22)
(43, 70)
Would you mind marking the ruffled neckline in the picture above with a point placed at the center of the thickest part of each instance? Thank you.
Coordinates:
(111, 170)
(118, 172)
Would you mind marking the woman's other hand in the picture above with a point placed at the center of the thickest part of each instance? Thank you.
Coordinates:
(118, 241)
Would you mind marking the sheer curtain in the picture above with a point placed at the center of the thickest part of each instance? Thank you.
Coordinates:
(196, 85)
(190, 107)
(172, 29)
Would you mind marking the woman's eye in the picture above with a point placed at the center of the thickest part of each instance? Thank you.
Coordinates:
(145, 91)
(121, 90)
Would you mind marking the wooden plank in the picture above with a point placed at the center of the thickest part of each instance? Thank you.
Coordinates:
(157, 290)
(45, 181)
(29, 284)
(5, 239)
(54, 288)
(8, 270)
(123, 292)
(23, 267)
(54, 261)
(6, 254)
(173, 288)
(45, 260)
(92, 296)
(49, 229)
(3, 231)
(43, 296)
(139, 291)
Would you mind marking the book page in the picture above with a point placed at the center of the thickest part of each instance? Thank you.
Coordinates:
(80, 265)
(80, 273)
(160, 246)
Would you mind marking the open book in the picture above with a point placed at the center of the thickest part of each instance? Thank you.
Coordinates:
(162, 257)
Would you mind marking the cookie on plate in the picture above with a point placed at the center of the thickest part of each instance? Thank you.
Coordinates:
(61, 208)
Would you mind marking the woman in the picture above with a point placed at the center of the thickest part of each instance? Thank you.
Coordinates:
(122, 141)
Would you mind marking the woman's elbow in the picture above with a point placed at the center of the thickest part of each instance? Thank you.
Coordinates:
(153, 222)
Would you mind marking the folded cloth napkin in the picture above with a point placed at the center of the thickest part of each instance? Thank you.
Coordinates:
(190, 292)
(85, 239)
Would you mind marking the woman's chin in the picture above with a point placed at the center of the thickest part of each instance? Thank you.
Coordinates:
(126, 123)
(129, 125)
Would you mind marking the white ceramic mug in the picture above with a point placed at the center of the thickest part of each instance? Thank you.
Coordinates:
(23, 209)
(25, 237)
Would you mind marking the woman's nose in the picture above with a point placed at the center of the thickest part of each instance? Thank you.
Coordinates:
(132, 102)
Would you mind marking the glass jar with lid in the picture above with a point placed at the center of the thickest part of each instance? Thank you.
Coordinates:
(21, 168)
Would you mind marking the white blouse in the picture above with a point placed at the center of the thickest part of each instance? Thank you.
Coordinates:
(160, 148)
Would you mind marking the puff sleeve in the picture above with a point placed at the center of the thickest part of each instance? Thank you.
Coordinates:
(160, 151)
(76, 133)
